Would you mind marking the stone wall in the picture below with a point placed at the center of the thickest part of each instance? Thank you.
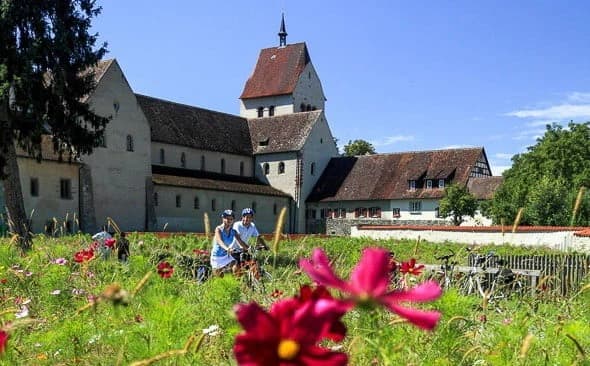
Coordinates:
(343, 226)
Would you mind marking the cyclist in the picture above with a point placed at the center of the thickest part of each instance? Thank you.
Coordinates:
(221, 258)
(246, 229)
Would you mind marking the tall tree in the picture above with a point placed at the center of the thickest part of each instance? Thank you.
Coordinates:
(456, 203)
(358, 147)
(47, 60)
(545, 180)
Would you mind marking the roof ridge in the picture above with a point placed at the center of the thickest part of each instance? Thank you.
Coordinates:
(188, 105)
(423, 151)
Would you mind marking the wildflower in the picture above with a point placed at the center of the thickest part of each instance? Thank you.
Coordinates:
(286, 334)
(116, 294)
(276, 293)
(84, 255)
(55, 292)
(212, 330)
(3, 281)
(3, 339)
(60, 261)
(411, 268)
(201, 252)
(138, 318)
(23, 312)
(369, 283)
(110, 243)
(165, 270)
(78, 292)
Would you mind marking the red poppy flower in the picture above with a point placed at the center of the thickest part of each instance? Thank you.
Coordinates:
(288, 334)
(3, 339)
(84, 255)
(410, 267)
(165, 270)
(369, 282)
(110, 242)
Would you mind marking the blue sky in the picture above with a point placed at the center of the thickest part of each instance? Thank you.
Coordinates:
(412, 75)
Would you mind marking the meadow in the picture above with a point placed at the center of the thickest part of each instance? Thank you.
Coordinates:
(57, 311)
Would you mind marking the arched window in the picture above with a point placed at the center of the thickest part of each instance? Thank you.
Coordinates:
(271, 110)
(274, 209)
(302, 107)
(312, 169)
(308, 108)
(260, 111)
(213, 205)
(196, 203)
(178, 200)
(233, 205)
(202, 162)
(281, 168)
(129, 143)
(183, 160)
(265, 168)
(222, 166)
(162, 156)
(241, 168)
(155, 198)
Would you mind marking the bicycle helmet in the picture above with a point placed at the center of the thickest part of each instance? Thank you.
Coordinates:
(227, 213)
(247, 211)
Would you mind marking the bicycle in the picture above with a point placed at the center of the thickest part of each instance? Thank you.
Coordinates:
(252, 268)
(476, 280)
(445, 274)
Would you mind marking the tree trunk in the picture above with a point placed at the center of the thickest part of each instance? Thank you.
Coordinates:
(17, 217)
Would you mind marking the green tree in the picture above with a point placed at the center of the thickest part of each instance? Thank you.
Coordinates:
(358, 147)
(456, 203)
(47, 58)
(560, 157)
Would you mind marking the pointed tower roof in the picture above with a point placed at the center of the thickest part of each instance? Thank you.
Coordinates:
(283, 32)
(277, 71)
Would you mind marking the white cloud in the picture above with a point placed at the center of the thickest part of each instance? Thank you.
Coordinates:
(543, 122)
(455, 147)
(499, 169)
(578, 97)
(390, 140)
(532, 134)
(503, 156)
(559, 112)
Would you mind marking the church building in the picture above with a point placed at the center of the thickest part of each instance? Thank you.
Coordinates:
(162, 165)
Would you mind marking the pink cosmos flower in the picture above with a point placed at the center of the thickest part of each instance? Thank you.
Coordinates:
(369, 283)
(288, 334)
(165, 269)
(60, 261)
(3, 340)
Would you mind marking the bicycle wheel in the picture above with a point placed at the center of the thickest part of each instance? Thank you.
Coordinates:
(202, 273)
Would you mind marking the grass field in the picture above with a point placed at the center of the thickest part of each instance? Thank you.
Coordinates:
(102, 312)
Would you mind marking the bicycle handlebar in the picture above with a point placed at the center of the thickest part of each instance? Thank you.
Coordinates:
(446, 257)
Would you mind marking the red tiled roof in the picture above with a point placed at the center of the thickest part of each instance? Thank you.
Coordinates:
(282, 133)
(277, 71)
(387, 176)
(483, 188)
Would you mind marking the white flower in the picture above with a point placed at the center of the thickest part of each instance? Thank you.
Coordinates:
(23, 312)
(213, 330)
(55, 292)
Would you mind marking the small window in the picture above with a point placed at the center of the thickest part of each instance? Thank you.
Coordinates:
(202, 162)
(441, 183)
(178, 201)
(274, 209)
(437, 213)
(222, 166)
(129, 143)
(266, 168)
(162, 156)
(196, 203)
(312, 169)
(34, 187)
(415, 206)
(102, 141)
(321, 141)
(308, 108)
(213, 205)
(412, 185)
(65, 189)
(233, 205)
(429, 184)
(271, 110)
(155, 198)
(183, 160)
(253, 206)
(116, 107)
(375, 212)
(302, 107)
(241, 168)
(396, 212)
(263, 142)
(260, 111)
(281, 168)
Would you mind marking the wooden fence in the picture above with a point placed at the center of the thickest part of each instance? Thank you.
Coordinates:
(559, 273)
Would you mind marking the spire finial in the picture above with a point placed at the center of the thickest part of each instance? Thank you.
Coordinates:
(283, 32)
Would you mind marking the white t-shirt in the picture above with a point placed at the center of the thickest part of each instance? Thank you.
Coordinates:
(245, 232)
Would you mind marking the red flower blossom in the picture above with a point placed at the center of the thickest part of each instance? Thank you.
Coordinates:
(3, 281)
(3, 339)
(276, 293)
(411, 267)
(201, 252)
(165, 270)
(84, 255)
(288, 334)
(109, 243)
(369, 284)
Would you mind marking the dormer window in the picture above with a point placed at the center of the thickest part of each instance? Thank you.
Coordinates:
(429, 184)
(260, 111)
(271, 111)
(266, 168)
(412, 185)
(263, 142)
(441, 183)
